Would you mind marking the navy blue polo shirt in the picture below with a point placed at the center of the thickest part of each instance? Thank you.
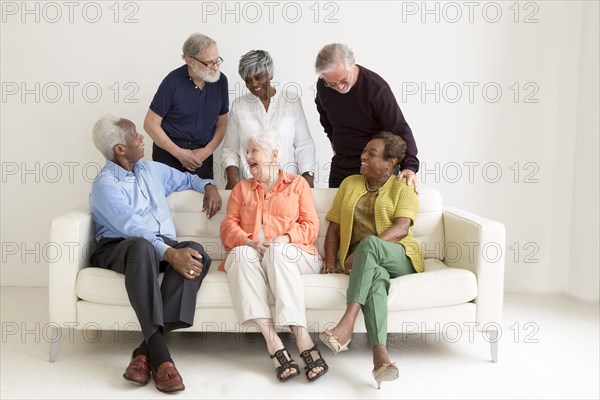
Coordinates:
(189, 113)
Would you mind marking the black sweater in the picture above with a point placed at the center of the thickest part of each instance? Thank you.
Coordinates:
(351, 119)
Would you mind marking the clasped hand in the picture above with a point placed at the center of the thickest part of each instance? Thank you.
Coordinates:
(262, 245)
(189, 159)
(186, 261)
(335, 269)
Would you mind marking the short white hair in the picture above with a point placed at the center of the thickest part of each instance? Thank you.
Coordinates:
(108, 132)
(331, 56)
(266, 139)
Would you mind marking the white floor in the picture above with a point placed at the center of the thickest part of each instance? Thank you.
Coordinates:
(549, 349)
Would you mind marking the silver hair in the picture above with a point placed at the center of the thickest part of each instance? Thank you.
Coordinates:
(196, 44)
(266, 139)
(108, 132)
(333, 54)
(256, 62)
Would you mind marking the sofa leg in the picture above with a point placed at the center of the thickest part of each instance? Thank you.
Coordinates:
(54, 342)
(494, 339)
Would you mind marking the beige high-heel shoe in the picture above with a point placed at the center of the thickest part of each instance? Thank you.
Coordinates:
(387, 372)
(331, 341)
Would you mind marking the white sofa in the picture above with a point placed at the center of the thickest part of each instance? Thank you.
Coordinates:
(461, 288)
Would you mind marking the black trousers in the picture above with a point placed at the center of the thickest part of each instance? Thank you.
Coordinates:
(163, 156)
(170, 305)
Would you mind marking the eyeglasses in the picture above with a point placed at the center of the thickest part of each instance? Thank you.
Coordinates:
(341, 83)
(210, 64)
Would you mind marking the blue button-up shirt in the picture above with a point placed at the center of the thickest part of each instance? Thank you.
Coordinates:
(134, 204)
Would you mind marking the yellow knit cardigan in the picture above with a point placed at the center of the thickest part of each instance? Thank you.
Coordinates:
(395, 199)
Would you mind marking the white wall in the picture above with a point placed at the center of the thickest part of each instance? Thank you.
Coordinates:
(490, 89)
(585, 273)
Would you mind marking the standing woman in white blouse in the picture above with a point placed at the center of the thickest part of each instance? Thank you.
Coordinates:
(264, 107)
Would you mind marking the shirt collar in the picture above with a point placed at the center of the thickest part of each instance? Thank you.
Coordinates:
(118, 172)
(284, 177)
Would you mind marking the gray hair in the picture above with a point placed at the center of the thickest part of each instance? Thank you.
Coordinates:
(266, 139)
(196, 43)
(108, 132)
(333, 54)
(256, 62)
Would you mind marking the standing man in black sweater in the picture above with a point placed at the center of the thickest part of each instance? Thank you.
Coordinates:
(354, 104)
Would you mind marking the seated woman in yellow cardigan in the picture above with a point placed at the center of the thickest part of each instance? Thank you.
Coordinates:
(370, 224)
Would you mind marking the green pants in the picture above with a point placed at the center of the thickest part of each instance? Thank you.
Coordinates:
(375, 263)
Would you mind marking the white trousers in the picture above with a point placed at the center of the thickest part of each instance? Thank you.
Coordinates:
(258, 282)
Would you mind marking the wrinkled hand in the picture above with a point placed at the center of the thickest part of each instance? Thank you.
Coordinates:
(188, 159)
(212, 200)
(348, 263)
(186, 261)
(201, 154)
(280, 239)
(411, 178)
(331, 269)
(258, 245)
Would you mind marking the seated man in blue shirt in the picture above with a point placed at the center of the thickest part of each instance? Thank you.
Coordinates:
(136, 237)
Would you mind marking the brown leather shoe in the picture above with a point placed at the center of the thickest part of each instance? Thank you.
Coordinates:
(167, 378)
(138, 370)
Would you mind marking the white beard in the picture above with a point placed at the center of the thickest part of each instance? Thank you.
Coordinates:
(207, 76)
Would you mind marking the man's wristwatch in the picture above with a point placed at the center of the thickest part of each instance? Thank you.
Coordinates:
(309, 173)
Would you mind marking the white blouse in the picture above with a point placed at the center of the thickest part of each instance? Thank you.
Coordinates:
(286, 116)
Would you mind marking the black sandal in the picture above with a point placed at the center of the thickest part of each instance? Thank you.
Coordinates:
(311, 363)
(285, 362)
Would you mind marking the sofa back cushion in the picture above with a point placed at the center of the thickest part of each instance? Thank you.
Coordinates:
(192, 224)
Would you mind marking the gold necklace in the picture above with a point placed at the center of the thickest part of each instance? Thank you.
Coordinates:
(369, 188)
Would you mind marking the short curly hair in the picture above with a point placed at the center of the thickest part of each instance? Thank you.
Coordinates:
(110, 131)
(256, 62)
(393, 146)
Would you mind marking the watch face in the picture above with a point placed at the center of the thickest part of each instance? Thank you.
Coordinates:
(310, 173)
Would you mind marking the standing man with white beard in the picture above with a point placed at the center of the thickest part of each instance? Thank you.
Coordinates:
(187, 118)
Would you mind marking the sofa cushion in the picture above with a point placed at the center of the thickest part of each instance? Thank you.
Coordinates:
(438, 286)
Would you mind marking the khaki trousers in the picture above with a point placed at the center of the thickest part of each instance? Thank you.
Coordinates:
(256, 283)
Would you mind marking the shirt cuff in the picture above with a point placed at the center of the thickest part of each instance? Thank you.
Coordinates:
(199, 184)
(160, 247)
(208, 182)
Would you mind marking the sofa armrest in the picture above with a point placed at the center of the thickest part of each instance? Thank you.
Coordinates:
(73, 234)
(478, 244)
